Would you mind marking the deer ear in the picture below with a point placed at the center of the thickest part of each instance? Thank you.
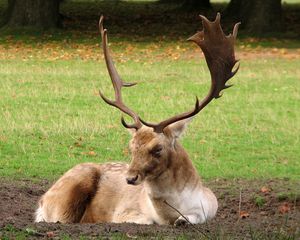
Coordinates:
(177, 129)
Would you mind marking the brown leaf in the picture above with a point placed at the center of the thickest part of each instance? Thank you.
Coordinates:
(244, 214)
(3, 138)
(165, 97)
(284, 208)
(265, 189)
(77, 144)
(96, 93)
(50, 234)
(91, 153)
(263, 213)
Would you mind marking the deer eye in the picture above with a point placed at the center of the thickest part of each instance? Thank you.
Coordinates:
(156, 151)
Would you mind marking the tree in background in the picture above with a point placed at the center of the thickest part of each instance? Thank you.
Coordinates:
(196, 4)
(257, 16)
(33, 13)
(190, 5)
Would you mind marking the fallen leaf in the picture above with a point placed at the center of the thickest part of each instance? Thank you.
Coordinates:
(165, 97)
(129, 235)
(50, 234)
(284, 208)
(263, 213)
(244, 214)
(3, 138)
(91, 153)
(283, 51)
(77, 144)
(265, 189)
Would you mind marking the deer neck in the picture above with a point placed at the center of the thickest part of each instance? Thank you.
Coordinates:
(179, 175)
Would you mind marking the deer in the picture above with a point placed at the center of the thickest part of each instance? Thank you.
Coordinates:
(160, 185)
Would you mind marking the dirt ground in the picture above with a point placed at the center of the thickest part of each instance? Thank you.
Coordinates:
(247, 210)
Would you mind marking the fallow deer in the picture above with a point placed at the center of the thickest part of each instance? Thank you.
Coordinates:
(160, 185)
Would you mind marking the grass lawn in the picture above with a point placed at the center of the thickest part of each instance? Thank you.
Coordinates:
(52, 118)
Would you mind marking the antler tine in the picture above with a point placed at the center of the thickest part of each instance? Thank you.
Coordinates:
(117, 82)
(235, 29)
(218, 50)
(160, 127)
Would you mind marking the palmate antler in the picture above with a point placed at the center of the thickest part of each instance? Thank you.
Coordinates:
(218, 50)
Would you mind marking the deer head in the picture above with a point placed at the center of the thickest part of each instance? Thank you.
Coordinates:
(154, 146)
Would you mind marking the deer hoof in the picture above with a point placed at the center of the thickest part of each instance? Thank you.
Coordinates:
(180, 223)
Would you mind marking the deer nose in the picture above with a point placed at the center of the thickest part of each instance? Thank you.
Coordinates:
(132, 180)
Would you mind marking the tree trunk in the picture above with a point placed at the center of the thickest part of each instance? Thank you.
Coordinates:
(33, 13)
(257, 16)
(194, 5)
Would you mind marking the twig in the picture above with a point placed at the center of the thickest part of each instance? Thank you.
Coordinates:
(205, 218)
(240, 204)
(295, 203)
(197, 229)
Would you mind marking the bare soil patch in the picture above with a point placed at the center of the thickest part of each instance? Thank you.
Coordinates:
(247, 210)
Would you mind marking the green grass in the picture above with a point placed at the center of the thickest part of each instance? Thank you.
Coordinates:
(259, 201)
(51, 116)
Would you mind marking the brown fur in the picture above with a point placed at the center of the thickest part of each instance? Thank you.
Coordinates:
(91, 192)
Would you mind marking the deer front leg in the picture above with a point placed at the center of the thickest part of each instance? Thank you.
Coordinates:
(188, 219)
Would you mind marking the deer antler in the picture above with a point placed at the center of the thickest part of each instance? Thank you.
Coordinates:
(218, 50)
(117, 82)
